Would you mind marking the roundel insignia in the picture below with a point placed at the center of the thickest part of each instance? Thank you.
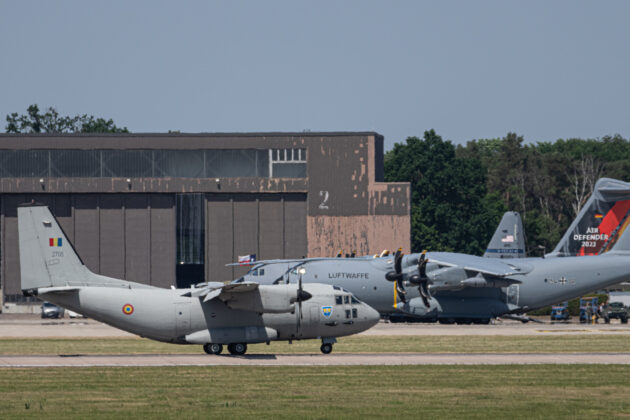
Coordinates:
(127, 309)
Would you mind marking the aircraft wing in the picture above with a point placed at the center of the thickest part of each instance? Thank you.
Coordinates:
(58, 289)
(248, 296)
(212, 290)
(490, 266)
(290, 260)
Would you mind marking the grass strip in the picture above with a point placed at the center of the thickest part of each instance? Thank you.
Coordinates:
(471, 392)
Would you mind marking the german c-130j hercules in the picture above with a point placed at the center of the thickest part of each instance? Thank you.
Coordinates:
(211, 314)
(451, 287)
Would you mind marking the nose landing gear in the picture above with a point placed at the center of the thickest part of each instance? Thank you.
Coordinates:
(326, 348)
(327, 344)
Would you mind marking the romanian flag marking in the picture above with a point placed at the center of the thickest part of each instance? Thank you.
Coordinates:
(54, 241)
(127, 309)
(599, 216)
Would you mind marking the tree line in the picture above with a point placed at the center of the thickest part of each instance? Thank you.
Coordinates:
(459, 193)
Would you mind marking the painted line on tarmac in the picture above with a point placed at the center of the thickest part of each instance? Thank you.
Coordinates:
(157, 360)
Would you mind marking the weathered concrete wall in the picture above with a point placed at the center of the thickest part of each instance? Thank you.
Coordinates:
(367, 235)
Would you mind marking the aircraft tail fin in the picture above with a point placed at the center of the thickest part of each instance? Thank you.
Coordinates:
(601, 224)
(47, 258)
(508, 240)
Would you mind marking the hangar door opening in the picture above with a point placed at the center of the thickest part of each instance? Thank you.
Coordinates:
(190, 237)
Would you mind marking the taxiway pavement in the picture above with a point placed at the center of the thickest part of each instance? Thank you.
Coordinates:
(31, 326)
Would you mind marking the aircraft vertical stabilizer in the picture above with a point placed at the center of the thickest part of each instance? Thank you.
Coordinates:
(47, 258)
(601, 222)
(508, 240)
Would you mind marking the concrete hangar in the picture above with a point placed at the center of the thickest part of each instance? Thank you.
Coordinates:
(174, 209)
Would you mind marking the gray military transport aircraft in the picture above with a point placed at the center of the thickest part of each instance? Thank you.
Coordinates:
(211, 314)
(451, 287)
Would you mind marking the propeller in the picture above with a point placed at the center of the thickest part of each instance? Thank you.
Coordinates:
(300, 297)
(421, 279)
(397, 275)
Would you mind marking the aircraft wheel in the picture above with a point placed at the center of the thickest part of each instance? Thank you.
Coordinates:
(326, 348)
(606, 320)
(213, 348)
(237, 348)
(624, 320)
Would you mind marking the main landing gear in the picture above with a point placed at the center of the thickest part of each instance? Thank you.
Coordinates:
(234, 348)
(213, 348)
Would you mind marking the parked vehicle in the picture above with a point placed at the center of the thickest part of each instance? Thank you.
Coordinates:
(50, 310)
(615, 310)
(560, 312)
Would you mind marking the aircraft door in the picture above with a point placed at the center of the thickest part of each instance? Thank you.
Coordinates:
(182, 319)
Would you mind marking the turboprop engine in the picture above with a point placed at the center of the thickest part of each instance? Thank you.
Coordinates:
(418, 307)
(454, 278)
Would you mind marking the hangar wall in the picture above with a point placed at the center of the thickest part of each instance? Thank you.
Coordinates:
(276, 195)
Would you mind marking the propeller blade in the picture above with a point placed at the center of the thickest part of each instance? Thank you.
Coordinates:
(397, 274)
(401, 291)
(398, 261)
(422, 265)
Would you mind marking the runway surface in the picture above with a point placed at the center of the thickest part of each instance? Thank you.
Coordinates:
(33, 326)
(311, 359)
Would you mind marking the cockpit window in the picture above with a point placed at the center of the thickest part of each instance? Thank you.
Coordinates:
(354, 312)
(338, 299)
(355, 300)
(346, 299)
(336, 287)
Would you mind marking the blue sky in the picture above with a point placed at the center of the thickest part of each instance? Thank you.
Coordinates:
(468, 69)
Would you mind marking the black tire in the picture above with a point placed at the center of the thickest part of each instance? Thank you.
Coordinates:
(213, 348)
(606, 320)
(237, 349)
(326, 348)
(624, 320)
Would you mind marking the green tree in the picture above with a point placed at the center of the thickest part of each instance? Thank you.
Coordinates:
(450, 210)
(51, 122)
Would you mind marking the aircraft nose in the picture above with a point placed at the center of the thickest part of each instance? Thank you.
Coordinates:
(371, 316)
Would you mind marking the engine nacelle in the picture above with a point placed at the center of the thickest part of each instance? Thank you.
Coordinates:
(416, 307)
(276, 299)
(447, 278)
(475, 282)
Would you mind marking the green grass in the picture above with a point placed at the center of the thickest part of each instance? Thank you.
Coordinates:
(525, 391)
(355, 344)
